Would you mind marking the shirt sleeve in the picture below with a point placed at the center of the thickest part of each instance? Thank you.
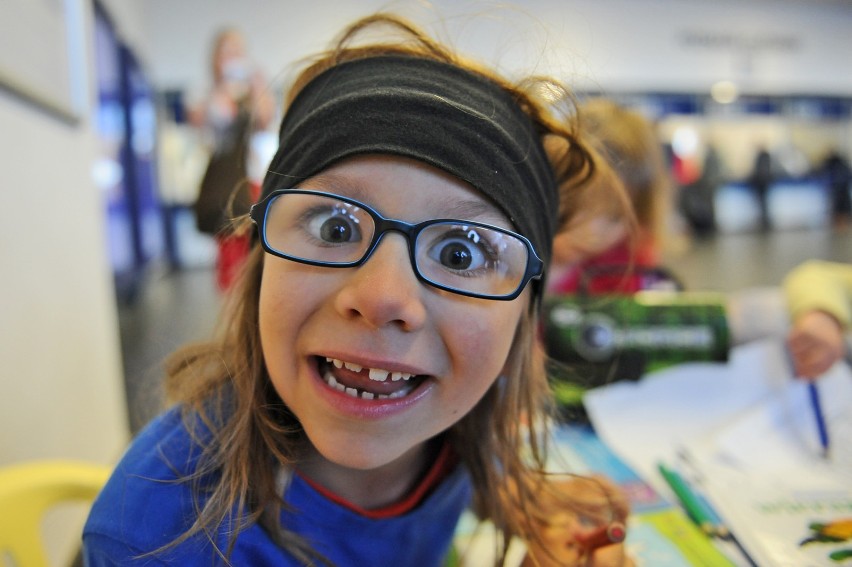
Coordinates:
(820, 285)
(103, 551)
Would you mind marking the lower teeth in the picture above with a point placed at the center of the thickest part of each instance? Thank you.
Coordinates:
(356, 393)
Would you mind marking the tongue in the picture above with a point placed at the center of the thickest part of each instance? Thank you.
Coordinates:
(361, 381)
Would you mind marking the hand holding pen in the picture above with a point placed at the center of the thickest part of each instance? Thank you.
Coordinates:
(600, 546)
(815, 344)
(588, 535)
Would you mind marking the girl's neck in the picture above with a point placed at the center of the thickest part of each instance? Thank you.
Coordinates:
(373, 488)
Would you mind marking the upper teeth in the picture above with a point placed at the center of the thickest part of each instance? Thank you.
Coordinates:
(376, 374)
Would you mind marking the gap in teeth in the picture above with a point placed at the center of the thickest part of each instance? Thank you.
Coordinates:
(376, 374)
(364, 395)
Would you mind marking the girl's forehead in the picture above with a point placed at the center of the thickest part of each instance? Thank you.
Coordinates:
(407, 189)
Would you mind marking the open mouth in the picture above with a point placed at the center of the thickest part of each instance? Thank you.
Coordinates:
(367, 383)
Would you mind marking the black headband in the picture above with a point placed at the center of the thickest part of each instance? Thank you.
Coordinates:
(434, 112)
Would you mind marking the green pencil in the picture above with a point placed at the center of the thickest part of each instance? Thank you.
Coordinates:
(689, 500)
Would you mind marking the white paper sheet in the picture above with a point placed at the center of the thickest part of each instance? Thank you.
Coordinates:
(646, 421)
(750, 429)
(779, 437)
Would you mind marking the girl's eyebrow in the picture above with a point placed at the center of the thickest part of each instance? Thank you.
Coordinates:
(462, 209)
(472, 209)
(333, 184)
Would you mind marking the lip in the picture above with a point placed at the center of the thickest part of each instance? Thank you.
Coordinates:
(368, 409)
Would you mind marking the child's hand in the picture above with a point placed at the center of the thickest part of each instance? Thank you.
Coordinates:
(816, 343)
(565, 538)
(610, 556)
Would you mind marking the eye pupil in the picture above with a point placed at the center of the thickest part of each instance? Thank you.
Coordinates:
(333, 230)
(456, 256)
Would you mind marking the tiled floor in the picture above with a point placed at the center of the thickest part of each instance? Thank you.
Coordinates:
(735, 261)
(175, 307)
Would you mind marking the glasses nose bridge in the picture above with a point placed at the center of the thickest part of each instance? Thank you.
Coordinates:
(384, 225)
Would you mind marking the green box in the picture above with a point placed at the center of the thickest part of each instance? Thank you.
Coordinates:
(597, 339)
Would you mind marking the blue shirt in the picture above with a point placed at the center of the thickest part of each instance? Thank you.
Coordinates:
(143, 507)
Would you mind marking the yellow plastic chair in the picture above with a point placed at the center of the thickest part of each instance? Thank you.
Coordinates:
(28, 490)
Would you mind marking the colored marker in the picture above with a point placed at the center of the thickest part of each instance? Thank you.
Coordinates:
(695, 480)
(820, 418)
(695, 509)
(603, 536)
(719, 528)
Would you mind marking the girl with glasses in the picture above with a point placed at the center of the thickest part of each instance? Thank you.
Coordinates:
(377, 372)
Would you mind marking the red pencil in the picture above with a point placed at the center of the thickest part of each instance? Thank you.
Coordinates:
(603, 536)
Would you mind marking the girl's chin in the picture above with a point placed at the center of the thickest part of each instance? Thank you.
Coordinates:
(357, 460)
(346, 452)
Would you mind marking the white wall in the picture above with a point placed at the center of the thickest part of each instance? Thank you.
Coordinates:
(766, 46)
(61, 392)
(61, 387)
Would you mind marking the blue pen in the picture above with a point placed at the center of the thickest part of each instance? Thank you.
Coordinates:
(818, 415)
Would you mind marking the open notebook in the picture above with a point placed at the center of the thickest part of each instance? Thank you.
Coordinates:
(749, 433)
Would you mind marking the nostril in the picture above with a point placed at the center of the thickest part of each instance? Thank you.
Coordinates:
(382, 299)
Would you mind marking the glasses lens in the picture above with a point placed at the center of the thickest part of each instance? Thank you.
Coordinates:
(471, 258)
(317, 228)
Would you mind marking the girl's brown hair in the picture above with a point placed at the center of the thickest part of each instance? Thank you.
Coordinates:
(252, 434)
(629, 142)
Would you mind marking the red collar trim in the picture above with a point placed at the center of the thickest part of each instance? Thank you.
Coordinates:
(440, 469)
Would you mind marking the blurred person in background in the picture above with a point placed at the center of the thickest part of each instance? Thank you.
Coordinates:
(836, 169)
(760, 181)
(696, 199)
(238, 104)
(615, 247)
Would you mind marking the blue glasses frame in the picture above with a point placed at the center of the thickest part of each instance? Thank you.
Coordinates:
(534, 267)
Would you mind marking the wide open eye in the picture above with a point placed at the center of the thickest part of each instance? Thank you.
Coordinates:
(333, 225)
(336, 230)
(316, 227)
(470, 257)
(460, 250)
(456, 255)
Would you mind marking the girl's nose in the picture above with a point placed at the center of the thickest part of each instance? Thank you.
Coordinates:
(384, 290)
